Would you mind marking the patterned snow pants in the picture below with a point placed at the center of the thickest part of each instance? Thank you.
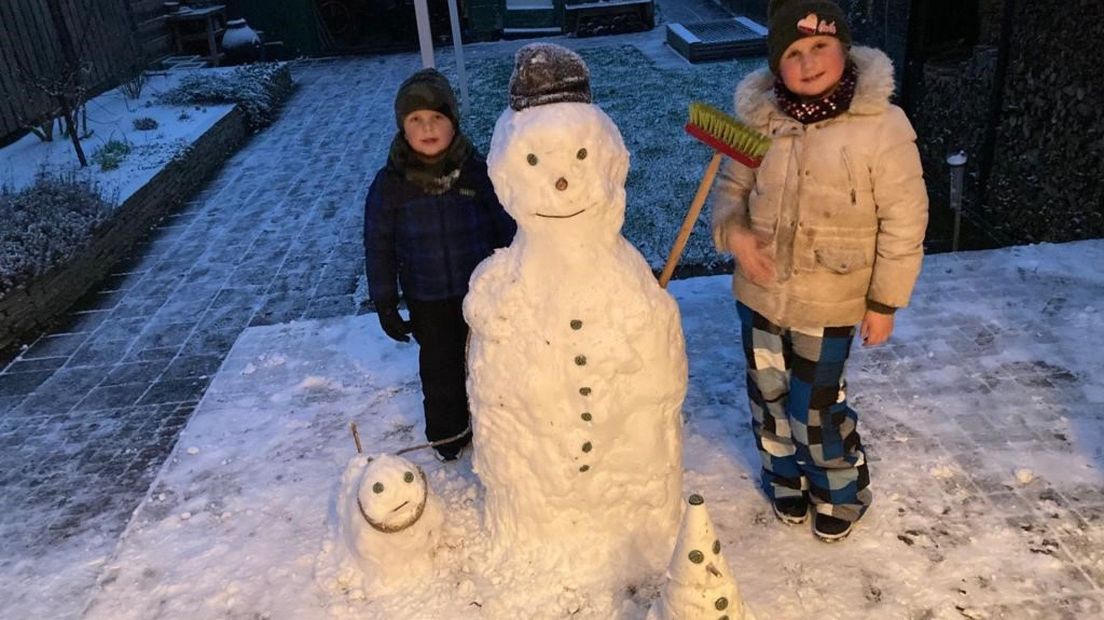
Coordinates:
(804, 429)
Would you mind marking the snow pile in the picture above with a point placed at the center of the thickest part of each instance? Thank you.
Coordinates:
(952, 533)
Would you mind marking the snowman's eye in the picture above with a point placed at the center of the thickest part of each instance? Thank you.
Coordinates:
(408, 477)
(377, 487)
(581, 154)
(532, 159)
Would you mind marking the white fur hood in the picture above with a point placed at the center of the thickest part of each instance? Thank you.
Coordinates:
(756, 103)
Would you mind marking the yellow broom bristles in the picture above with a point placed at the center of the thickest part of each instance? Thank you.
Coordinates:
(728, 130)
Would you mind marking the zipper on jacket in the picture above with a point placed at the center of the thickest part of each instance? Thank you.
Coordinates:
(445, 246)
(850, 175)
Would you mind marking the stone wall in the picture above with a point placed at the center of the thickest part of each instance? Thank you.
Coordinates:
(883, 24)
(1044, 183)
(1048, 172)
(950, 114)
(31, 309)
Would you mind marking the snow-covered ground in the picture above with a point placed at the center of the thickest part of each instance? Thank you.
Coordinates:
(983, 419)
(111, 116)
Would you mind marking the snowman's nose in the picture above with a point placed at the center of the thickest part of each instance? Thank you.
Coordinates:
(561, 184)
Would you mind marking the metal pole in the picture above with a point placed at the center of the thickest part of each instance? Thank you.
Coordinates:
(957, 163)
(458, 48)
(425, 37)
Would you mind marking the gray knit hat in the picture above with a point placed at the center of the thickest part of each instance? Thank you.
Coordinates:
(427, 89)
(790, 20)
(548, 73)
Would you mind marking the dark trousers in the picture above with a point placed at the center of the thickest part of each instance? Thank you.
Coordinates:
(442, 335)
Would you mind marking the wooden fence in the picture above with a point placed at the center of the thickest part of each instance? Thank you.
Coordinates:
(150, 28)
(40, 38)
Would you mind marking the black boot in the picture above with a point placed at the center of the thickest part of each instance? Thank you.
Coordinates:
(791, 510)
(831, 529)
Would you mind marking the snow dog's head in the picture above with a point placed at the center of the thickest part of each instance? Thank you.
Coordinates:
(392, 493)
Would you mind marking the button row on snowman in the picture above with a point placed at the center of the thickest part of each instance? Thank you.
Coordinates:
(581, 360)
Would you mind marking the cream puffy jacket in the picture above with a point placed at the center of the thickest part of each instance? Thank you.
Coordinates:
(842, 203)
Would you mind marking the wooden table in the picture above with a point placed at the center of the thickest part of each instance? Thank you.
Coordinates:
(203, 25)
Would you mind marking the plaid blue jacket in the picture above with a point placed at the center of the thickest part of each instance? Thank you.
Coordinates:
(428, 245)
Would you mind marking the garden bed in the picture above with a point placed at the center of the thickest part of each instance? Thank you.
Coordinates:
(159, 169)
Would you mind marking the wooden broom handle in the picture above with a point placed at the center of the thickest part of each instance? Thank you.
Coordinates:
(691, 219)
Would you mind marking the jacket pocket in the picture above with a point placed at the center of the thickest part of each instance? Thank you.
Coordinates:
(843, 259)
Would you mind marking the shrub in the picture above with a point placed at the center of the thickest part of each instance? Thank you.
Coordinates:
(145, 123)
(44, 225)
(132, 86)
(110, 154)
(258, 88)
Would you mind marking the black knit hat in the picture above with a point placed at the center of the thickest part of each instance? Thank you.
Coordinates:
(548, 73)
(427, 89)
(790, 20)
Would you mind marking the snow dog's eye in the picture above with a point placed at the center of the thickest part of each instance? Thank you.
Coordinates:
(377, 487)
(581, 154)
(532, 159)
(408, 477)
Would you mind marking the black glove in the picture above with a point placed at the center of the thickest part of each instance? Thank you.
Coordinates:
(394, 325)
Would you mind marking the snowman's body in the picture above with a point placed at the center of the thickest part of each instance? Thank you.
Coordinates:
(577, 366)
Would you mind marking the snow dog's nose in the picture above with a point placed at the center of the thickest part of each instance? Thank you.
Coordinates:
(561, 184)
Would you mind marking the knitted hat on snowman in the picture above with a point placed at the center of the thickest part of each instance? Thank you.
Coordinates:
(790, 20)
(548, 73)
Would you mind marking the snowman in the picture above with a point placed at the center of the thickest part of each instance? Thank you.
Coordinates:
(699, 584)
(389, 522)
(577, 365)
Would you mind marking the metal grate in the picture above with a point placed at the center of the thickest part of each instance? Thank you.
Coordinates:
(718, 40)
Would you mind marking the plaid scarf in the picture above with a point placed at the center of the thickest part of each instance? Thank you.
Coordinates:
(830, 106)
(436, 176)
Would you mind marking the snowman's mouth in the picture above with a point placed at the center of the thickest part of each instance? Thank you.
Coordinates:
(399, 507)
(558, 217)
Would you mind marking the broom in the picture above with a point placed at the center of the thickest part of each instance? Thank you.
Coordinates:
(726, 136)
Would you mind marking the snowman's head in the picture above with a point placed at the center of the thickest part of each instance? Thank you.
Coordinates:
(392, 493)
(560, 168)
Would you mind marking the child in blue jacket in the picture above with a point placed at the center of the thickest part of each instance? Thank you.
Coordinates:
(431, 216)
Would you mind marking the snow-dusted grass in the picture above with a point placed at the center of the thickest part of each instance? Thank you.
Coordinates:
(650, 106)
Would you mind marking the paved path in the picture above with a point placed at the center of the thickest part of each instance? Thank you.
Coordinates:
(90, 410)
